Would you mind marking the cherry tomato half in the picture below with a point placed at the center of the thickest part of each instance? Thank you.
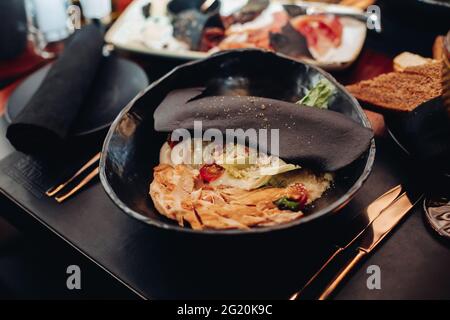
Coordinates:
(211, 172)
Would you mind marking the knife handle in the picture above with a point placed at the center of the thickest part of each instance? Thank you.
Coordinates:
(341, 275)
(297, 295)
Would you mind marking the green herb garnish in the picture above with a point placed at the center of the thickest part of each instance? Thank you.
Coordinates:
(319, 95)
(284, 203)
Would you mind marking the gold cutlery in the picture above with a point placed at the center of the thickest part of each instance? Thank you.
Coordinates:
(383, 215)
(206, 5)
(56, 191)
(78, 187)
(372, 211)
(379, 229)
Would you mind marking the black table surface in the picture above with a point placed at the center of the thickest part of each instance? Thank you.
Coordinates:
(413, 262)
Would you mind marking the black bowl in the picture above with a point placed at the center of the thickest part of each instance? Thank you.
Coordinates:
(270, 262)
(131, 148)
(423, 134)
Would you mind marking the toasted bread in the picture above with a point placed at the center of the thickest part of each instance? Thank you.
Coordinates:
(401, 91)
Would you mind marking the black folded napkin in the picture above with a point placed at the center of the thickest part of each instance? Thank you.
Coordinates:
(45, 122)
(317, 138)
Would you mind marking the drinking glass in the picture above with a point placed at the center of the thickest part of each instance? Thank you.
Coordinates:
(50, 22)
(96, 9)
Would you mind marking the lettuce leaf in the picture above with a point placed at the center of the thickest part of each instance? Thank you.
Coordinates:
(319, 95)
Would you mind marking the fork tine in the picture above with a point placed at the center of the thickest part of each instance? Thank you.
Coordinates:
(54, 190)
(82, 183)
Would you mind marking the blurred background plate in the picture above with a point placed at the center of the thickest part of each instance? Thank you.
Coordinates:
(122, 35)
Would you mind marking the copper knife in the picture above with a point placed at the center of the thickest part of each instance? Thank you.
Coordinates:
(372, 236)
(371, 213)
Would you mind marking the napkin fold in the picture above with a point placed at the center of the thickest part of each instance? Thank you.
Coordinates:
(45, 122)
(316, 138)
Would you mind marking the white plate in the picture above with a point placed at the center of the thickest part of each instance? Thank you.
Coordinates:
(124, 34)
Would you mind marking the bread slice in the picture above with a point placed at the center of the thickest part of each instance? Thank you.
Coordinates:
(408, 59)
(401, 91)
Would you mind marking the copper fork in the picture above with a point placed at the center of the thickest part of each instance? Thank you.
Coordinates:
(60, 196)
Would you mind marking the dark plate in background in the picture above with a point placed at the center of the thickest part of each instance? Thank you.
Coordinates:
(117, 82)
(424, 134)
(409, 25)
(429, 14)
(437, 4)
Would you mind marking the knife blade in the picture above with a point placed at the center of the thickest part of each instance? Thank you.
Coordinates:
(384, 223)
(371, 213)
(372, 236)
